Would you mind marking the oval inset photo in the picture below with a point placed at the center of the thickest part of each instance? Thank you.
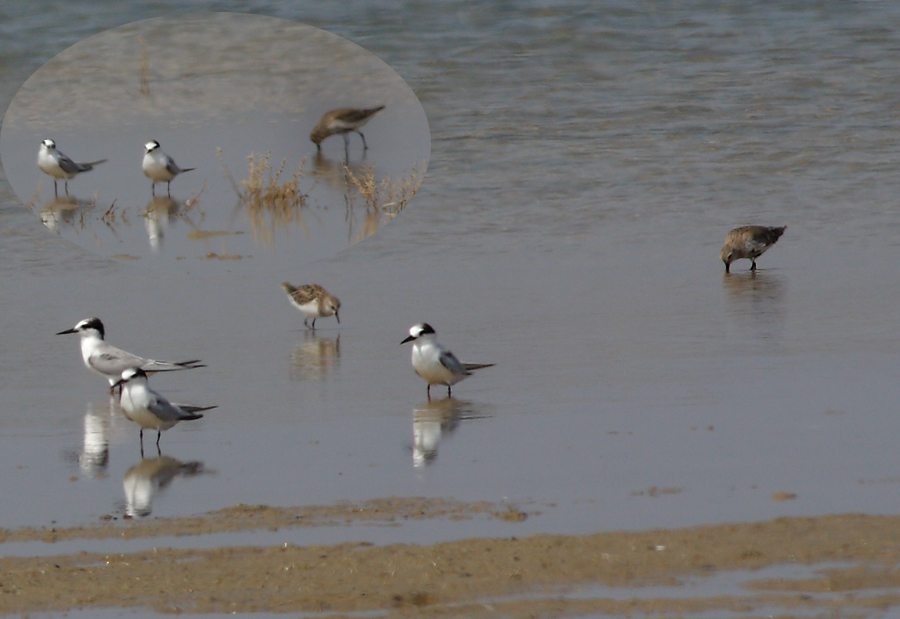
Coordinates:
(203, 141)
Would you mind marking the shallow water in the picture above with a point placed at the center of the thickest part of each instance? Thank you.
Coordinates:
(585, 167)
(234, 97)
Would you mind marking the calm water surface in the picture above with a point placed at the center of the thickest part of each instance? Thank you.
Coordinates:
(586, 163)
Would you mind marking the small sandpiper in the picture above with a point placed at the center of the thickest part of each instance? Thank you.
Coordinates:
(314, 301)
(749, 242)
(343, 121)
(57, 165)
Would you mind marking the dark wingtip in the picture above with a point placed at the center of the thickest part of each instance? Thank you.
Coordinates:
(477, 366)
(190, 365)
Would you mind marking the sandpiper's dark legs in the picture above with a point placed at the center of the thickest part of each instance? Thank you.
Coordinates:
(752, 265)
(449, 393)
(158, 435)
(67, 186)
(365, 146)
(55, 189)
(727, 268)
(169, 189)
(428, 391)
(142, 442)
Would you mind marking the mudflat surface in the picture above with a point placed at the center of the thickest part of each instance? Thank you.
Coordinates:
(546, 575)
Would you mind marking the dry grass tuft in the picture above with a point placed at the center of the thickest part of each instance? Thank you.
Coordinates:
(384, 199)
(270, 203)
(145, 67)
(109, 217)
(385, 196)
(263, 191)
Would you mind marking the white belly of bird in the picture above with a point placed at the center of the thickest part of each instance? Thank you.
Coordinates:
(433, 371)
(310, 309)
(49, 166)
(143, 417)
(157, 171)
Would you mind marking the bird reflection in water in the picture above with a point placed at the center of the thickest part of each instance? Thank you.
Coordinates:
(316, 357)
(380, 200)
(156, 219)
(756, 300)
(434, 421)
(161, 212)
(149, 477)
(94, 457)
(333, 172)
(60, 211)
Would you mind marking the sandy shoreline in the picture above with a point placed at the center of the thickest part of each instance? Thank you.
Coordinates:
(516, 577)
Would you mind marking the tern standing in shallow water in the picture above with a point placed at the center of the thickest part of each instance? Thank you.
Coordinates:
(159, 167)
(57, 165)
(109, 361)
(749, 242)
(149, 409)
(343, 121)
(434, 363)
(314, 301)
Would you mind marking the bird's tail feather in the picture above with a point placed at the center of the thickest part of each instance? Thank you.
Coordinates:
(477, 366)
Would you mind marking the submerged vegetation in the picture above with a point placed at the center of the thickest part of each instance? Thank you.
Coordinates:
(383, 199)
(386, 195)
(272, 203)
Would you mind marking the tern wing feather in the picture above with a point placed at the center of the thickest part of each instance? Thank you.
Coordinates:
(152, 365)
(171, 166)
(113, 361)
(477, 366)
(449, 361)
(167, 411)
(188, 408)
(68, 166)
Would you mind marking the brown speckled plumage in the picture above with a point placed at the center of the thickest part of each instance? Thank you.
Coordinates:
(313, 300)
(343, 121)
(748, 242)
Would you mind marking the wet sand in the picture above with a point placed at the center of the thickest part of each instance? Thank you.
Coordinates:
(540, 575)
